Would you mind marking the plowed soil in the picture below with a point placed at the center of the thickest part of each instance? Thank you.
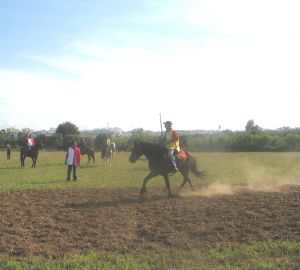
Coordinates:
(57, 223)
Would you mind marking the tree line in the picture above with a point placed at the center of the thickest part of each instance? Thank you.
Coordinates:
(252, 139)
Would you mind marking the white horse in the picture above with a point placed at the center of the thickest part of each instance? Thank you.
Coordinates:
(107, 153)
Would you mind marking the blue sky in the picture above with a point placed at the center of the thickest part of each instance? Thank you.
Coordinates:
(200, 63)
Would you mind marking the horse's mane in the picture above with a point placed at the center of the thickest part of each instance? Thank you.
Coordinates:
(152, 148)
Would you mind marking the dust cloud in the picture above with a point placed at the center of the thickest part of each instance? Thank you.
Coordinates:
(216, 188)
(211, 190)
(271, 187)
(245, 173)
(267, 179)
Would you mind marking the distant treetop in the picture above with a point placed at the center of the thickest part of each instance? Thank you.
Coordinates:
(67, 128)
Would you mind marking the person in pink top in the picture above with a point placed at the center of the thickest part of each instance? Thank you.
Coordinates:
(30, 141)
(72, 160)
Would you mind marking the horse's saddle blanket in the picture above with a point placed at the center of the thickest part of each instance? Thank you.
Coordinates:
(182, 155)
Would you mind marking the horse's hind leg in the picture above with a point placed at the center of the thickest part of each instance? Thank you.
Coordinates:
(166, 177)
(186, 179)
(183, 183)
(190, 183)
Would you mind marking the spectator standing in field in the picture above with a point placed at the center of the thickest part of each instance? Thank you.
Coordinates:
(8, 151)
(171, 141)
(72, 160)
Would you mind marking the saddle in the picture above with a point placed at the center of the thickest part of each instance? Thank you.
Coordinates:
(181, 155)
(83, 149)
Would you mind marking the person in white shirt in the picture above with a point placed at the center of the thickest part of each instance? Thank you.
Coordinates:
(72, 160)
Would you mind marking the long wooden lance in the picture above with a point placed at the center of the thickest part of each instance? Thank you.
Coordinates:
(161, 130)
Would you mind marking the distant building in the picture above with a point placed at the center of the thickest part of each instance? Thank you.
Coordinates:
(12, 130)
(27, 130)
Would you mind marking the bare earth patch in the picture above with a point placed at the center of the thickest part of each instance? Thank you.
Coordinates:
(57, 223)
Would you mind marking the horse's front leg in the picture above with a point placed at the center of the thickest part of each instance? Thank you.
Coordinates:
(33, 162)
(22, 162)
(147, 178)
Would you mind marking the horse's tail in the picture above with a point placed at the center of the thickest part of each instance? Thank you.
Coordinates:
(93, 155)
(192, 164)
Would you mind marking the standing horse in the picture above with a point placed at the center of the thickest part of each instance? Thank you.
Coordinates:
(89, 151)
(107, 153)
(159, 164)
(33, 152)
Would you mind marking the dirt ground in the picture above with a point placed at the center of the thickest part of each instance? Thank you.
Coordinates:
(57, 223)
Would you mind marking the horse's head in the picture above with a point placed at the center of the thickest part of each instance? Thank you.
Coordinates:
(39, 143)
(136, 153)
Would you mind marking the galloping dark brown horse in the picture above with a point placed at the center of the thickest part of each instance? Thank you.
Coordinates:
(159, 164)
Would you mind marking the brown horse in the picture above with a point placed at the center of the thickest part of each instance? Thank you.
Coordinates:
(89, 151)
(159, 164)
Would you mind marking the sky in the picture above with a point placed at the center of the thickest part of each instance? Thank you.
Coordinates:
(202, 64)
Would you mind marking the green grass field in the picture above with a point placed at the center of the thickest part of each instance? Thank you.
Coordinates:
(254, 170)
(225, 168)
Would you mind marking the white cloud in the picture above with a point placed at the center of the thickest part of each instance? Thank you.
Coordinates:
(248, 69)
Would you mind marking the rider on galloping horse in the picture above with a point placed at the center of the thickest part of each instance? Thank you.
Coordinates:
(171, 141)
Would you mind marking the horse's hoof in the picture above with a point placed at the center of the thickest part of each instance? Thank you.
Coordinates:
(178, 193)
(141, 198)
